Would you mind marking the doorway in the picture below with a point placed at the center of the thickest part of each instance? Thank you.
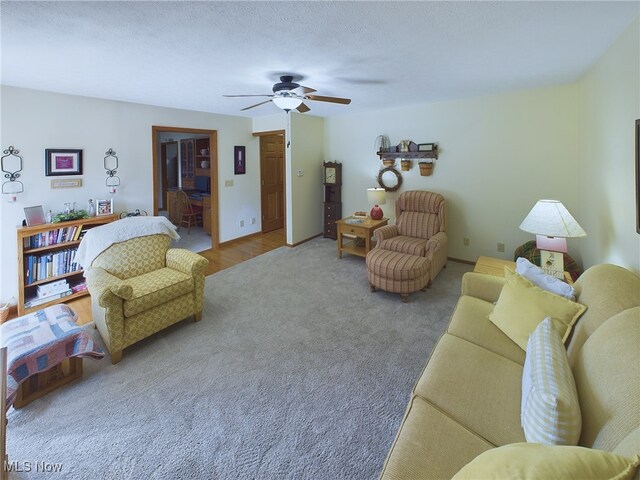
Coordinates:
(272, 180)
(187, 159)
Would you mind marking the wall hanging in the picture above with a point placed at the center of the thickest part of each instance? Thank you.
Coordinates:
(62, 161)
(11, 166)
(110, 163)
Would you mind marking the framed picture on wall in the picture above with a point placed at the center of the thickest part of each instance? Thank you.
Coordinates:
(104, 207)
(65, 161)
(239, 160)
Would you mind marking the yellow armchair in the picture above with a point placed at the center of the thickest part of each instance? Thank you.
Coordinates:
(141, 286)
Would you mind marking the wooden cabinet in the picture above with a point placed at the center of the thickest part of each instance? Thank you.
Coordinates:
(172, 206)
(206, 214)
(332, 198)
(45, 255)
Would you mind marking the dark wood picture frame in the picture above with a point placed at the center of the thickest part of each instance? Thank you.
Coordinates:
(239, 160)
(637, 131)
(62, 161)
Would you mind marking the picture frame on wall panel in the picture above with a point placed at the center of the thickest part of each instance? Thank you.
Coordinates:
(239, 160)
(104, 206)
(62, 161)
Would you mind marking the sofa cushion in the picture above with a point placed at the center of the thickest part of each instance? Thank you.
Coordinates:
(403, 244)
(607, 375)
(155, 288)
(475, 387)
(542, 462)
(550, 408)
(469, 322)
(522, 306)
(430, 445)
(538, 277)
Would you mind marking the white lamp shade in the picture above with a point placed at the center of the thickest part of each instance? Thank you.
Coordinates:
(376, 196)
(287, 103)
(552, 219)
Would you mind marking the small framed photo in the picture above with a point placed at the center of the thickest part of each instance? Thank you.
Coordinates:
(34, 215)
(104, 207)
(239, 160)
(426, 147)
(64, 161)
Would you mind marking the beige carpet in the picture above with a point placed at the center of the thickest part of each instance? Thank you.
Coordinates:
(296, 371)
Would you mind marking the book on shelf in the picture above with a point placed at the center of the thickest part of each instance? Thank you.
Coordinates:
(34, 302)
(52, 288)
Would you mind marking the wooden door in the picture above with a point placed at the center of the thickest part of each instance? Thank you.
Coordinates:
(272, 181)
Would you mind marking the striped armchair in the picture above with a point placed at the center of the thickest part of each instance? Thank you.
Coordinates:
(420, 229)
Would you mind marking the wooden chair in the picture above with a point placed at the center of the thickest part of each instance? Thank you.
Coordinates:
(188, 213)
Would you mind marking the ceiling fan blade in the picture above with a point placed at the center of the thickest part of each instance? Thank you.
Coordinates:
(247, 95)
(256, 105)
(320, 98)
(302, 108)
(302, 90)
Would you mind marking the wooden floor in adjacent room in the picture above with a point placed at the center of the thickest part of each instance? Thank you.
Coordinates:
(227, 255)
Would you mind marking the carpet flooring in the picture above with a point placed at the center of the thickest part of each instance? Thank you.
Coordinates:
(296, 371)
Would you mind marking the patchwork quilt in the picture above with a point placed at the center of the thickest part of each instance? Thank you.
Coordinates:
(40, 340)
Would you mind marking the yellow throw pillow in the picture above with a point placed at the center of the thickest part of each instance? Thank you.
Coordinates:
(533, 461)
(522, 306)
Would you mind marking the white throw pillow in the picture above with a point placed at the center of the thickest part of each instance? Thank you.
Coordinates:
(536, 275)
(550, 411)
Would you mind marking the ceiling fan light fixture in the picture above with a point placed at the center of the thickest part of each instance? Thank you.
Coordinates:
(287, 103)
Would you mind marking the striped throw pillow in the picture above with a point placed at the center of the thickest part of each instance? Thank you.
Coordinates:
(550, 412)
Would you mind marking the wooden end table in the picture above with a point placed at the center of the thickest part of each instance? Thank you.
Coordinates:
(495, 267)
(364, 230)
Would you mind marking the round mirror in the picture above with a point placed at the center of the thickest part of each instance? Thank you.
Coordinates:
(390, 179)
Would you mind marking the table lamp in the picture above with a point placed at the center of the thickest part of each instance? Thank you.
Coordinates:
(377, 196)
(552, 224)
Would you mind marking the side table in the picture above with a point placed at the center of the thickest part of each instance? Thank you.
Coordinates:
(364, 229)
(495, 267)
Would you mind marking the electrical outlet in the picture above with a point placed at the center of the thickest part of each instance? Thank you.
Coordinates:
(501, 247)
(465, 242)
(241, 223)
(228, 183)
(253, 221)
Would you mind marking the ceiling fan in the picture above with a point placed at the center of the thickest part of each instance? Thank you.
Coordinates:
(289, 95)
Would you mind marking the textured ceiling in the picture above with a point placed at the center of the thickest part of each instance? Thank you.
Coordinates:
(380, 54)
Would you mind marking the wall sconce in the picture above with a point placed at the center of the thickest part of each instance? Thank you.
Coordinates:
(13, 186)
(111, 166)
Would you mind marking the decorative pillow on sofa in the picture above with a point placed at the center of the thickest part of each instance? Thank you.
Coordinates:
(542, 462)
(536, 275)
(550, 411)
(522, 306)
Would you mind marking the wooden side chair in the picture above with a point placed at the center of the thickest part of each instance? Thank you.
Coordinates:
(189, 214)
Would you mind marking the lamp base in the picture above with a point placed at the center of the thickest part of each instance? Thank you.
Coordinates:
(376, 213)
(552, 263)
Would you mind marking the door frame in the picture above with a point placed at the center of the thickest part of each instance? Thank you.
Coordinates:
(281, 133)
(213, 172)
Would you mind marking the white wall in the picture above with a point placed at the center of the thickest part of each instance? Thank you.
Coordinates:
(610, 99)
(307, 155)
(498, 155)
(34, 120)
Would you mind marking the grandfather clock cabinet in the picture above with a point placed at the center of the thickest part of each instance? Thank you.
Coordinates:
(332, 198)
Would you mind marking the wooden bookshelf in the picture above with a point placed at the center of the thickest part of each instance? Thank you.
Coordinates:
(27, 283)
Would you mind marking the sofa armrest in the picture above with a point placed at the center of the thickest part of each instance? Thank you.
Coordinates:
(186, 262)
(435, 243)
(482, 286)
(107, 289)
(388, 231)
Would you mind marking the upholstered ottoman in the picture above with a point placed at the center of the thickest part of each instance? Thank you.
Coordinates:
(397, 272)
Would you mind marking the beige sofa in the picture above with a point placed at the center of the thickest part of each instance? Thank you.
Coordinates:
(467, 399)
